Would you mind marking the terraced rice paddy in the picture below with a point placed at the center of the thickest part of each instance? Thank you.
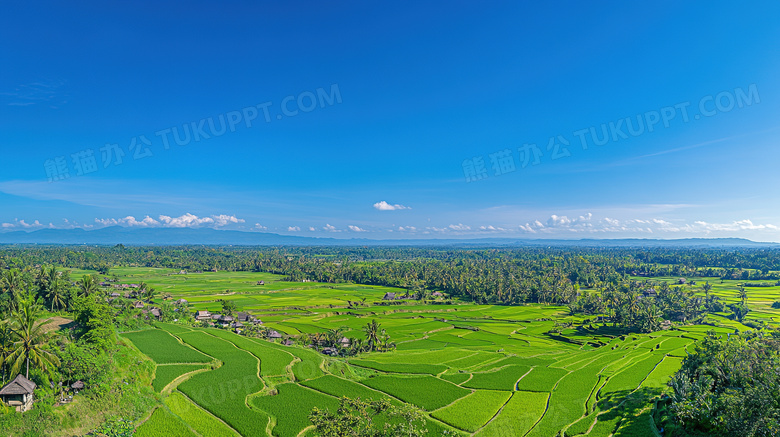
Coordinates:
(481, 370)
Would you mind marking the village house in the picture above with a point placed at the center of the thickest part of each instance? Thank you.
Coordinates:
(260, 282)
(437, 294)
(389, 296)
(650, 292)
(202, 315)
(19, 393)
(223, 320)
(273, 335)
(154, 312)
(181, 302)
(138, 304)
(330, 351)
(246, 317)
(344, 342)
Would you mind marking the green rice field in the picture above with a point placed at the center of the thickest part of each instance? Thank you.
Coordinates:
(472, 369)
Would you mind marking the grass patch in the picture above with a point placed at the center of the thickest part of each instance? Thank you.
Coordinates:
(163, 348)
(426, 392)
(474, 411)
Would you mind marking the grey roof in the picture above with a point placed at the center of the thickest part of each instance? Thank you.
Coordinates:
(78, 385)
(274, 334)
(19, 386)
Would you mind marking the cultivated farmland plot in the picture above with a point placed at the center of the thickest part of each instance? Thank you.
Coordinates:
(486, 370)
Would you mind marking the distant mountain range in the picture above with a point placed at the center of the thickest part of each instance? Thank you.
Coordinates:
(186, 236)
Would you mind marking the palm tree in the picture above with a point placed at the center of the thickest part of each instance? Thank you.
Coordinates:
(28, 340)
(5, 346)
(54, 287)
(372, 333)
(11, 281)
(742, 294)
(87, 285)
(334, 336)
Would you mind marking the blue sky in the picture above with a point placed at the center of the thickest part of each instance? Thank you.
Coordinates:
(378, 117)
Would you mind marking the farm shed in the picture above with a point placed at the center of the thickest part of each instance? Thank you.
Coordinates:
(19, 393)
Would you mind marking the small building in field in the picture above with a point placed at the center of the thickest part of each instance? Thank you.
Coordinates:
(138, 304)
(245, 317)
(389, 296)
(114, 295)
(681, 281)
(202, 315)
(345, 342)
(437, 294)
(650, 292)
(19, 393)
(273, 334)
(156, 313)
(288, 342)
(182, 302)
(76, 386)
(260, 282)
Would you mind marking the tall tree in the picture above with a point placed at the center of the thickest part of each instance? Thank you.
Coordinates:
(87, 285)
(29, 339)
(372, 330)
(6, 344)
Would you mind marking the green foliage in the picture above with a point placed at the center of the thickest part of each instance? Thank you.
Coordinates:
(115, 427)
(377, 418)
(729, 387)
(85, 362)
(95, 319)
(229, 307)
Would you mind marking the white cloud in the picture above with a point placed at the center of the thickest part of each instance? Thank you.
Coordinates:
(354, 228)
(407, 229)
(460, 227)
(384, 206)
(491, 228)
(259, 227)
(128, 221)
(293, 229)
(739, 225)
(224, 220)
(311, 228)
(22, 224)
(330, 228)
(184, 221)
